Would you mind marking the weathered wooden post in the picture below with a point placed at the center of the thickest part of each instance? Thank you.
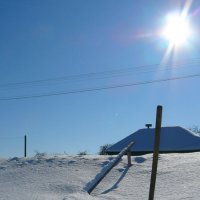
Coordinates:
(25, 140)
(156, 152)
(129, 158)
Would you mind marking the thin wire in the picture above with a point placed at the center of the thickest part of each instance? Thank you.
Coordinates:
(11, 138)
(99, 88)
(125, 74)
(103, 73)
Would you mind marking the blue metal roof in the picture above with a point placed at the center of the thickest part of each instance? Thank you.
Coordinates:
(172, 139)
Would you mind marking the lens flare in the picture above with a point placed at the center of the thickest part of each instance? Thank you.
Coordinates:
(177, 30)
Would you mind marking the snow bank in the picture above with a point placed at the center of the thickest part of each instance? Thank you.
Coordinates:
(64, 177)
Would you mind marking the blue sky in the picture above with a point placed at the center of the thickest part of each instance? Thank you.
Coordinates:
(44, 39)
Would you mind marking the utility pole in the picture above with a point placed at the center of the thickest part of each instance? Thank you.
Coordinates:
(156, 152)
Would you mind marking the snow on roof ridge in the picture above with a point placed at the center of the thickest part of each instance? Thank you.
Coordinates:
(180, 127)
(192, 132)
(165, 127)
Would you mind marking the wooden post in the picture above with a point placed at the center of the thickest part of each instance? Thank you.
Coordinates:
(156, 152)
(25, 139)
(129, 158)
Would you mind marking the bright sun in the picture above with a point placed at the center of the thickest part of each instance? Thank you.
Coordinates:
(177, 30)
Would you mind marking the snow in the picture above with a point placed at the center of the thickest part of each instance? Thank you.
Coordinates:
(106, 169)
(67, 178)
(172, 139)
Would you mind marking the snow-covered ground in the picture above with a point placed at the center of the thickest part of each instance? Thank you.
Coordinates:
(68, 177)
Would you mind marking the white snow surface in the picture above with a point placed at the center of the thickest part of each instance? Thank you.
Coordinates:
(172, 139)
(68, 177)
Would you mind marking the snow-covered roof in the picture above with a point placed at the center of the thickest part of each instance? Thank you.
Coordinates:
(172, 139)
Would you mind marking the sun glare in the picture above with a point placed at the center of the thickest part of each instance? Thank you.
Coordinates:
(177, 30)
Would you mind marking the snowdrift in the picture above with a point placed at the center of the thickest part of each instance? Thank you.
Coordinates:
(67, 177)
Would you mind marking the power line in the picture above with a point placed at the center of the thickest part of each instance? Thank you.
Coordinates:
(99, 88)
(125, 73)
(11, 138)
(105, 74)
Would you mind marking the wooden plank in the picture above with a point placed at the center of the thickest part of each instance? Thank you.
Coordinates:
(108, 168)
